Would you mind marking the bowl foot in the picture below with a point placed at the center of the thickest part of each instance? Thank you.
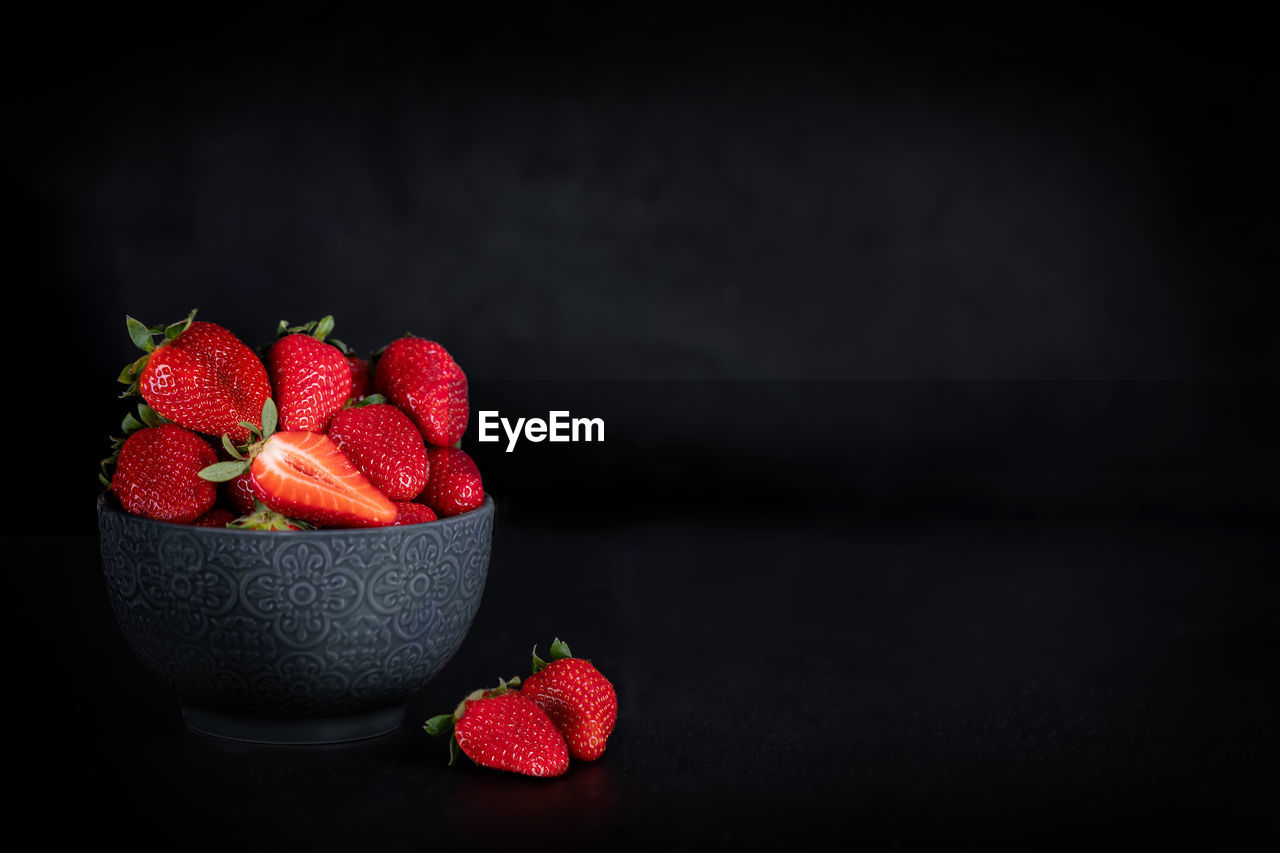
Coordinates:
(292, 730)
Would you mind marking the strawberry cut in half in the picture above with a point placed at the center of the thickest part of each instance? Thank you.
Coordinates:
(200, 376)
(311, 379)
(503, 729)
(303, 475)
(422, 378)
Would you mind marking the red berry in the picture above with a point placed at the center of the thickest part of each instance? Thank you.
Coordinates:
(385, 445)
(158, 474)
(216, 517)
(505, 730)
(204, 379)
(311, 380)
(412, 513)
(238, 494)
(422, 378)
(453, 482)
(361, 377)
(578, 699)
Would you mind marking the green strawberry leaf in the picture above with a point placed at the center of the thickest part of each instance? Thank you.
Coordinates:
(538, 663)
(270, 418)
(130, 424)
(102, 478)
(150, 416)
(454, 750)
(559, 649)
(221, 472)
(251, 427)
(323, 328)
(438, 725)
(139, 334)
(230, 446)
(174, 329)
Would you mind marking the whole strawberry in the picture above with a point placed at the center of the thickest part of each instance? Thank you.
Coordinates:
(157, 474)
(237, 493)
(422, 378)
(578, 699)
(453, 482)
(311, 379)
(303, 475)
(361, 377)
(216, 517)
(385, 445)
(503, 729)
(413, 513)
(200, 376)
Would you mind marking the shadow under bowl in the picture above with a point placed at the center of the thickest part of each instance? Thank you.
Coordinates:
(309, 636)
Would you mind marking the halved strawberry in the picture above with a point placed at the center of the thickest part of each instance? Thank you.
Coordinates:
(386, 447)
(201, 376)
(453, 482)
(157, 474)
(422, 378)
(304, 475)
(311, 379)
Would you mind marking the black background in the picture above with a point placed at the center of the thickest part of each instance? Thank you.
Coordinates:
(937, 356)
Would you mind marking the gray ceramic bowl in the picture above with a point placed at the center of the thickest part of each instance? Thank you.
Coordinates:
(294, 637)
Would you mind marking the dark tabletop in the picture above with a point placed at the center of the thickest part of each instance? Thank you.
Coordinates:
(994, 681)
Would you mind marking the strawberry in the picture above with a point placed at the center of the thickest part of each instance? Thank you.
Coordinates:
(157, 474)
(503, 729)
(361, 377)
(578, 699)
(420, 377)
(238, 494)
(200, 376)
(412, 513)
(311, 378)
(453, 482)
(305, 476)
(216, 517)
(385, 445)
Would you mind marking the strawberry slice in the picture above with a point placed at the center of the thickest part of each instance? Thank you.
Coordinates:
(304, 475)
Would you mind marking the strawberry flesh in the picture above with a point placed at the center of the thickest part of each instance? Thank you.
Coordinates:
(304, 475)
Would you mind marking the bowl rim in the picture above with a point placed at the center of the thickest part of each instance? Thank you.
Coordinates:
(109, 505)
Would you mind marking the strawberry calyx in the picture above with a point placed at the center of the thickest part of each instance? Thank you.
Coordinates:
(444, 723)
(371, 400)
(264, 518)
(143, 337)
(221, 472)
(559, 651)
(318, 329)
(147, 417)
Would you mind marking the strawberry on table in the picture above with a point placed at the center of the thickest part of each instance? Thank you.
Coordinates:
(422, 378)
(303, 475)
(385, 445)
(200, 376)
(503, 729)
(157, 473)
(578, 699)
(453, 482)
(311, 378)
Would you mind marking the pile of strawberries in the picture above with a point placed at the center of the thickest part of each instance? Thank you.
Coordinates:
(308, 435)
(565, 708)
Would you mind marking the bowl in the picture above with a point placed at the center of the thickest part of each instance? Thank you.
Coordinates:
(309, 636)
